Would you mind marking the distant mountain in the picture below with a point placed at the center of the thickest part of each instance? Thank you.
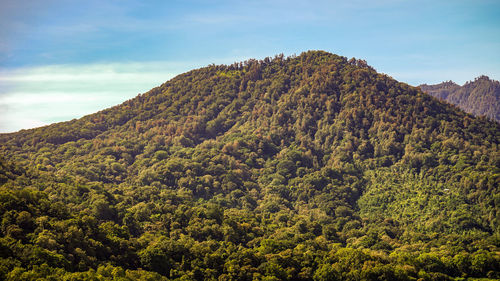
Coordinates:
(479, 97)
(311, 167)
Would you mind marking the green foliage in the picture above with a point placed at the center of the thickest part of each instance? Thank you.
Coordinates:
(312, 167)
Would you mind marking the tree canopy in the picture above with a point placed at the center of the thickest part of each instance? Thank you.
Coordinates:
(310, 167)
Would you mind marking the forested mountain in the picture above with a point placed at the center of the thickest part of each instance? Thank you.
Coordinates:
(311, 167)
(479, 97)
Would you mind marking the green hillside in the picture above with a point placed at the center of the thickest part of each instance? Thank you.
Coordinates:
(311, 167)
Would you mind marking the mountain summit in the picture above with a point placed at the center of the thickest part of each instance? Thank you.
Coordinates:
(311, 167)
(479, 97)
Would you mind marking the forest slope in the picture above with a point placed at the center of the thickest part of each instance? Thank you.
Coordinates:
(478, 97)
(312, 167)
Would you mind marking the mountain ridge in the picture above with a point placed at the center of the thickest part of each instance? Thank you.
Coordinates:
(478, 97)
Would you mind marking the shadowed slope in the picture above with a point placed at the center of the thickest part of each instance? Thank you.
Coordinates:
(479, 97)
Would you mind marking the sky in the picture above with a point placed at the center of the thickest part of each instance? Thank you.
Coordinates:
(63, 59)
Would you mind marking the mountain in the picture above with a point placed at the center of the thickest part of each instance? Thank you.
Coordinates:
(310, 167)
(478, 97)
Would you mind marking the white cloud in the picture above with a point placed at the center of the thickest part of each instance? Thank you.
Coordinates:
(83, 73)
(36, 96)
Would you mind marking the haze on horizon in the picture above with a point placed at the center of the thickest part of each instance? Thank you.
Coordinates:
(61, 60)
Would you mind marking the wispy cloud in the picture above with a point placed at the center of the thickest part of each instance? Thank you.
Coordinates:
(122, 72)
(36, 96)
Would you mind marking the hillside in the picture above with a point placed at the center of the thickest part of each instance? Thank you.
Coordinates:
(479, 97)
(311, 167)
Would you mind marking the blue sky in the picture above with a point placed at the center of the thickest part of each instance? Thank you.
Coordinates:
(62, 59)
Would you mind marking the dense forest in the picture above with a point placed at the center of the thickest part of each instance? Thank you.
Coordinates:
(479, 97)
(310, 167)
